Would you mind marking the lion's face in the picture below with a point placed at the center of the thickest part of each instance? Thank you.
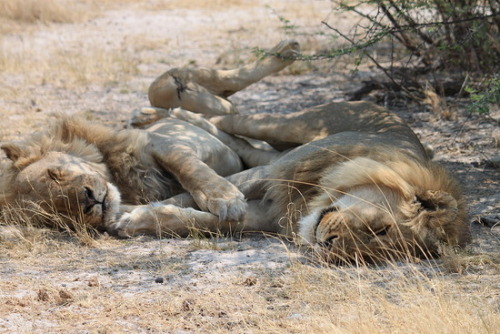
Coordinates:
(361, 234)
(373, 224)
(68, 186)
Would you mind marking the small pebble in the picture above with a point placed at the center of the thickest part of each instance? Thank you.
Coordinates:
(159, 280)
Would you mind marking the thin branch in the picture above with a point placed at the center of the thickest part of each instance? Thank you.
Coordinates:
(375, 39)
(440, 23)
(380, 67)
(374, 21)
(406, 39)
(412, 23)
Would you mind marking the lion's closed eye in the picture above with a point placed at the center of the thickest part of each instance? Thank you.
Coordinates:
(382, 231)
(55, 174)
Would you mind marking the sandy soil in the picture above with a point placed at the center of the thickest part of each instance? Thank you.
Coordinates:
(50, 283)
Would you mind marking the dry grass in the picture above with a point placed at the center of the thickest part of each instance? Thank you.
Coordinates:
(20, 15)
(72, 280)
(70, 64)
(68, 281)
(67, 11)
(31, 11)
(68, 68)
(110, 288)
(194, 4)
(402, 300)
(59, 11)
(63, 65)
(97, 66)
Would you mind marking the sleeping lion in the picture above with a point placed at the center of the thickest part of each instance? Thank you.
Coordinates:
(82, 172)
(350, 179)
(87, 172)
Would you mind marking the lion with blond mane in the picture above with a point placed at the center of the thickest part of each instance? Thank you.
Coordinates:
(350, 179)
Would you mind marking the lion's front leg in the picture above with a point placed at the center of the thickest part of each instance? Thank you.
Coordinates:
(160, 219)
(210, 191)
(168, 220)
(179, 216)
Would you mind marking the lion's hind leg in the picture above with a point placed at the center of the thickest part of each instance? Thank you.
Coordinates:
(281, 131)
(170, 90)
(205, 90)
(142, 117)
(228, 82)
(254, 155)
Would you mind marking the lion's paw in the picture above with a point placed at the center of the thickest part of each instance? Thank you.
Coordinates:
(228, 203)
(145, 116)
(132, 223)
(118, 228)
(228, 210)
(286, 50)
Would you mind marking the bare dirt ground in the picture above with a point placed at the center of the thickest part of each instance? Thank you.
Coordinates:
(100, 65)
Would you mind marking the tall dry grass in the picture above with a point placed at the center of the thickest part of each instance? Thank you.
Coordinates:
(303, 298)
(20, 15)
(398, 299)
(299, 297)
(193, 4)
(46, 11)
(66, 11)
(67, 68)
(56, 11)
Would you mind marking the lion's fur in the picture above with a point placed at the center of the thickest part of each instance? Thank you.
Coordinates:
(407, 177)
(34, 147)
(350, 178)
(140, 163)
(350, 170)
(346, 152)
(137, 177)
(114, 153)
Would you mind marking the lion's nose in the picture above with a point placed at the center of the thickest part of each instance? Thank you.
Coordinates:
(90, 200)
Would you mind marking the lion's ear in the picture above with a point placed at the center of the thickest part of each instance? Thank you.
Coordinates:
(432, 200)
(436, 219)
(12, 150)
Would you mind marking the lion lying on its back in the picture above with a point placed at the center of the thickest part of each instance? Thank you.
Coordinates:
(351, 179)
(358, 185)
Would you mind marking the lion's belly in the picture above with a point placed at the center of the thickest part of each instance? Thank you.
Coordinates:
(204, 145)
(221, 159)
